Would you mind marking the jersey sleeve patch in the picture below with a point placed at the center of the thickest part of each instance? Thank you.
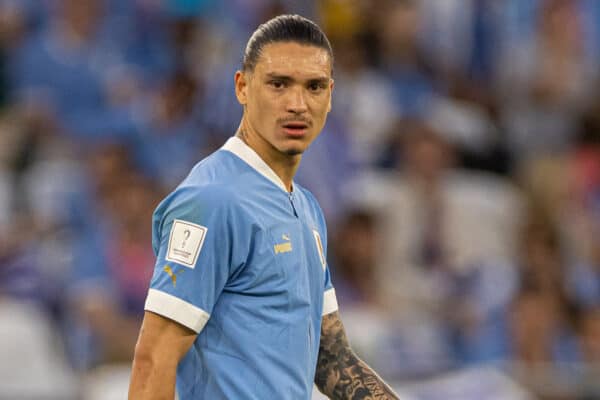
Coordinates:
(320, 249)
(185, 242)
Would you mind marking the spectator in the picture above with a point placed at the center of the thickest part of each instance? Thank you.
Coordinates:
(113, 262)
(440, 230)
(168, 128)
(60, 71)
(547, 78)
(402, 60)
(354, 258)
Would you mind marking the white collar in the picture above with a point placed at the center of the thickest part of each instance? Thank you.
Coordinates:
(238, 147)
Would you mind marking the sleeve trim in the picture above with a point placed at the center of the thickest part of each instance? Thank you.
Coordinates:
(329, 302)
(176, 309)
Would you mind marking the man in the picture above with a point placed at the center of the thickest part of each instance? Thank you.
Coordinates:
(241, 287)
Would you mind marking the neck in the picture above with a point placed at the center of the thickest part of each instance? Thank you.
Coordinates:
(284, 165)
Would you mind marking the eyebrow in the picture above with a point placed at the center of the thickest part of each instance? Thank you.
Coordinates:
(286, 78)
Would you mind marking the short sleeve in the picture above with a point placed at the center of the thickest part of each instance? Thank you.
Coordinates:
(193, 241)
(330, 303)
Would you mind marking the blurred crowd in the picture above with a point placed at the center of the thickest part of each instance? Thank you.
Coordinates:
(459, 172)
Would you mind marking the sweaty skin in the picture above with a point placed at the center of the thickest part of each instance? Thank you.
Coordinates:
(291, 83)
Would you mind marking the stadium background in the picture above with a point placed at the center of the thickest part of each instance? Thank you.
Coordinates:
(459, 172)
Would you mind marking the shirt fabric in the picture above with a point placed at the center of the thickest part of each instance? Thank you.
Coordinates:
(242, 262)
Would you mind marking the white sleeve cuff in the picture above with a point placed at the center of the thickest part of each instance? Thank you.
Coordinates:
(329, 302)
(176, 309)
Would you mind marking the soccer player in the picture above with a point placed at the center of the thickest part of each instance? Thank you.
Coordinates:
(241, 304)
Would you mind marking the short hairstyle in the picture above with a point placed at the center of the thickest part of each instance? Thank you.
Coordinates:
(284, 28)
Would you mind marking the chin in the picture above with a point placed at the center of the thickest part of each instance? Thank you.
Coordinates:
(293, 151)
(292, 148)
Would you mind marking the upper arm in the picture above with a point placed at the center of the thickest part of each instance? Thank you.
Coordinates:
(196, 254)
(162, 341)
(161, 345)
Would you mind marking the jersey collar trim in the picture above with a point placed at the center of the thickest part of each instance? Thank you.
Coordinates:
(238, 147)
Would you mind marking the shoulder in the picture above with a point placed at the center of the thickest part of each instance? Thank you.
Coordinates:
(221, 167)
(217, 165)
(211, 206)
(213, 196)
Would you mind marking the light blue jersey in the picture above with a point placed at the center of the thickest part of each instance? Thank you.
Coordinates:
(242, 261)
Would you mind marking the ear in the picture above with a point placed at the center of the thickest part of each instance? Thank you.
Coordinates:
(330, 95)
(241, 87)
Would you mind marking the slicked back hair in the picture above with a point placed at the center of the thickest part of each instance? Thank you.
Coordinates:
(284, 28)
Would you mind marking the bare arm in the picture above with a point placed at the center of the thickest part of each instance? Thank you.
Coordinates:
(340, 374)
(161, 344)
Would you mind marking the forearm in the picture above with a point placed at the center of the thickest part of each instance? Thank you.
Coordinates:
(149, 381)
(350, 379)
(340, 373)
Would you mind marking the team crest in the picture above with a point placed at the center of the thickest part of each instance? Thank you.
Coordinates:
(320, 249)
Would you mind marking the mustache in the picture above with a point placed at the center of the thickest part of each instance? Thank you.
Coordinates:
(288, 120)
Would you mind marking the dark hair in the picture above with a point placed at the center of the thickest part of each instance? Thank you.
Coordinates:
(284, 28)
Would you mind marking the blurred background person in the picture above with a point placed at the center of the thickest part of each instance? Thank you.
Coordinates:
(444, 233)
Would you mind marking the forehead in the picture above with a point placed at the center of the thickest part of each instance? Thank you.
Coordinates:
(294, 59)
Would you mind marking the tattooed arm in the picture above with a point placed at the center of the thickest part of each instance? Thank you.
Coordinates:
(340, 373)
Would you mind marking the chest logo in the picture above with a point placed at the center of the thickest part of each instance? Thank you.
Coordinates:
(320, 248)
(284, 247)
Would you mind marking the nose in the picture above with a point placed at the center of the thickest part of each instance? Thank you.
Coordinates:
(296, 101)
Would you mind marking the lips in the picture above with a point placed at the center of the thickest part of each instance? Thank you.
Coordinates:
(295, 128)
(295, 125)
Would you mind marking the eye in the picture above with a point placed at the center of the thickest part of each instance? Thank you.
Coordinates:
(316, 86)
(277, 84)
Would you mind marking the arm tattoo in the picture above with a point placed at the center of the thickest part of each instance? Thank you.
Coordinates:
(340, 373)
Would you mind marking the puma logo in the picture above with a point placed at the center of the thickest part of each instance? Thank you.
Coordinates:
(283, 247)
(172, 275)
